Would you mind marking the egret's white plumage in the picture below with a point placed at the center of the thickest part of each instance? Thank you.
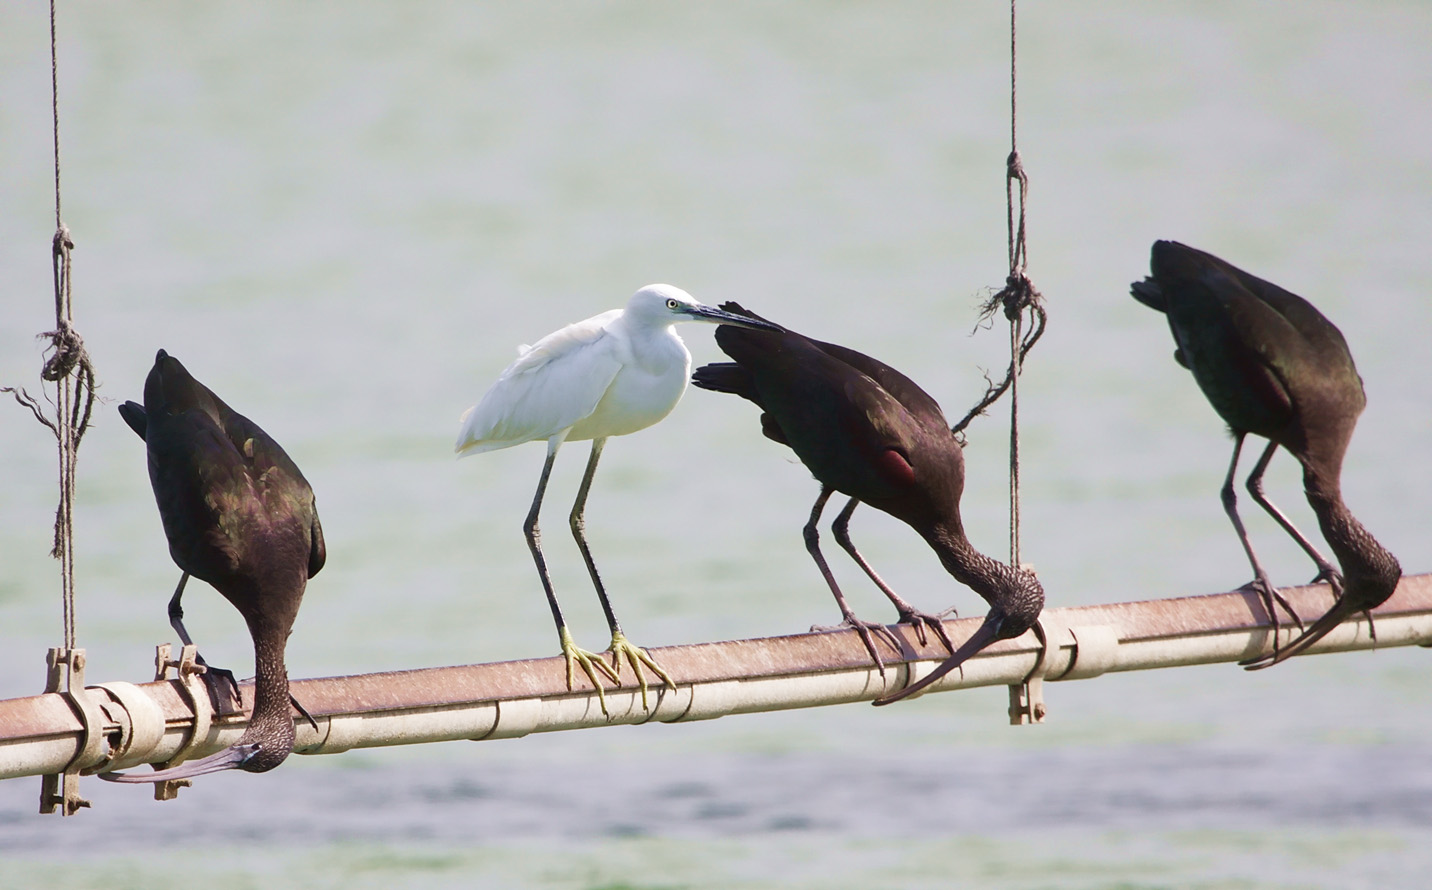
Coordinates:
(609, 375)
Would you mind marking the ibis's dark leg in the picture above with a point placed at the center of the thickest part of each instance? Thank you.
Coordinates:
(176, 611)
(1326, 570)
(1260, 582)
(223, 687)
(908, 613)
(863, 628)
(621, 648)
(589, 661)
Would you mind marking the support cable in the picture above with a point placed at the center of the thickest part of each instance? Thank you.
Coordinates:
(68, 366)
(1017, 298)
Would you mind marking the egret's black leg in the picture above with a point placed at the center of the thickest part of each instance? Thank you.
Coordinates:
(621, 648)
(863, 628)
(578, 523)
(589, 661)
(908, 613)
(1260, 582)
(221, 683)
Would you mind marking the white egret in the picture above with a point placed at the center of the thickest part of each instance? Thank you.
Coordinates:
(609, 375)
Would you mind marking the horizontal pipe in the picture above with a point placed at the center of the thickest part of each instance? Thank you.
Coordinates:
(153, 722)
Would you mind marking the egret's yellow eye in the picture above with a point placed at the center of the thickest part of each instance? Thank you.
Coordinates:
(672, 304)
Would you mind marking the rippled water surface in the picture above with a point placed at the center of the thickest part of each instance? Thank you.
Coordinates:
(344, 218)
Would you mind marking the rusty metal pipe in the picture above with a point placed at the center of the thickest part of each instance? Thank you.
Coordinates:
(152, 722)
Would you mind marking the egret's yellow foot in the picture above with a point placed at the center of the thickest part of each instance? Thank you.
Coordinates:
(591, 662)
(635, 656)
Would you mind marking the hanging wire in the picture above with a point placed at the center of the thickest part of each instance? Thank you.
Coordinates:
(68, 366)
(1017, 298)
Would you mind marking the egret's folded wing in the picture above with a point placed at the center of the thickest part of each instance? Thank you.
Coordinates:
(550, 386)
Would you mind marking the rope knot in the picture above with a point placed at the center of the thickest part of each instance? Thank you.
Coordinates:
(69, 352)
(1018, 295)
(1014, 169)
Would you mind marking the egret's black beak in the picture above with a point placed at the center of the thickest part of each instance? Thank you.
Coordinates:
(721, 316)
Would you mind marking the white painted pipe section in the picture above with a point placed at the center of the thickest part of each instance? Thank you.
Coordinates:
(156, 722)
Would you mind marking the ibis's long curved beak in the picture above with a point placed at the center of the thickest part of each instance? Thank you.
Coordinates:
(982, 637)
(229, 758)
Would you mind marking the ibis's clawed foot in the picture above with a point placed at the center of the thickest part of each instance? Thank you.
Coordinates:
(1271, 599)
(867, 631)
(590, 662)
(224, 694)
(1332, 576)
(921, 620)
(1270, 595)
(223, 690)
(623, 650)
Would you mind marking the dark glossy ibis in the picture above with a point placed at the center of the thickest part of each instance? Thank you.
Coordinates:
(1274, 366)
(866, 430)
(239, 515)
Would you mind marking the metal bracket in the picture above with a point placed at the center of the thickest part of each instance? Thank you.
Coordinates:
(65, 675)
(186, 670)
(1026, 699)
(163, 661)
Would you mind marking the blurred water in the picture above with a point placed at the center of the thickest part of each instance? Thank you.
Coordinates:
(344, 219)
